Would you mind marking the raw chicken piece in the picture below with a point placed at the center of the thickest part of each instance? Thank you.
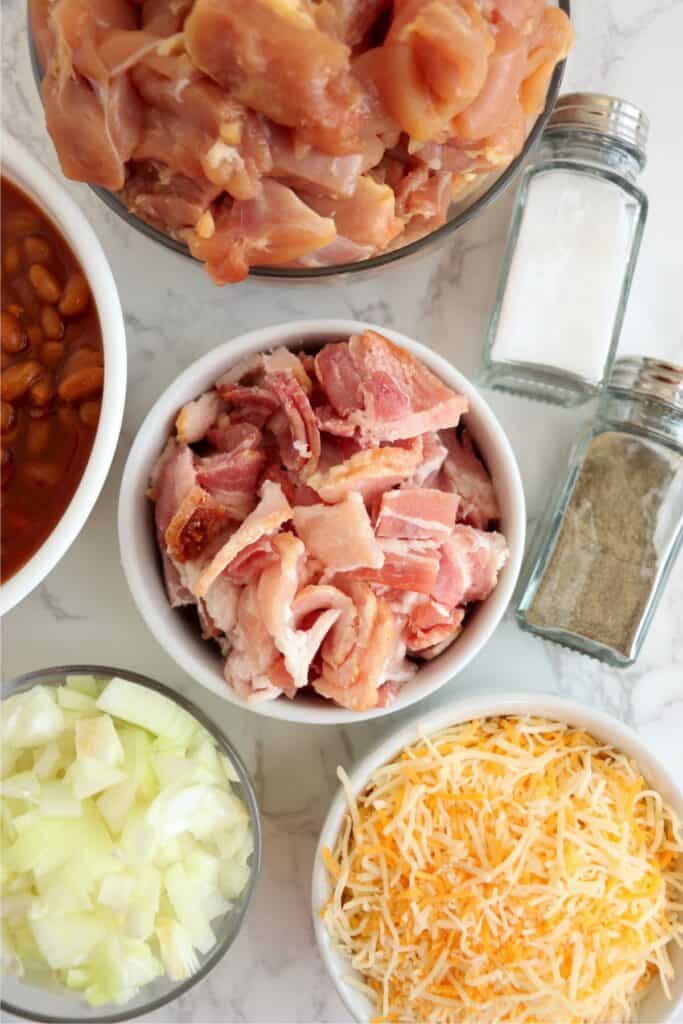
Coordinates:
(41, 30)
(274, 228)
(273, 58)
(408, 565)
(524, 15)
(195, 418)
(548, 45)
(506, 69)
(169, 201)
(271, 512)
(430, 623)
(424, 195)
(433, 63)
(464, 474)
(381, 392)
(369, 472)
(350, 20)
(340, 536)
(315, 172)
(470, 562)
(367, 217)
(421, 513)
(299, 441)
(354, 682)
(164, 17)
(342, 250)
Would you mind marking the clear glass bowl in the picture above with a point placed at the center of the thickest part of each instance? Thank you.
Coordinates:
(459, 214)
(51, 1005)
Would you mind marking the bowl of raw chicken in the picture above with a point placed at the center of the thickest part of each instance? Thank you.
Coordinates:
(321, 521)
(297, 138)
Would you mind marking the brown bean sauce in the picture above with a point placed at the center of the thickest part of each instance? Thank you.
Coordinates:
(51, 381)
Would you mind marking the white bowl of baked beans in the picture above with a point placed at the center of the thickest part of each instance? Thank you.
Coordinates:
(63, 381)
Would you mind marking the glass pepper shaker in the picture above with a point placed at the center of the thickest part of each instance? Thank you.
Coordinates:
(608, 542)
(570, 254)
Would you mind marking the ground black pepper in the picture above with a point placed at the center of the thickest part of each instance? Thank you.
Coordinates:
(604, 567)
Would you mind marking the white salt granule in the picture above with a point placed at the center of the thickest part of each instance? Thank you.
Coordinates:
(567, 274)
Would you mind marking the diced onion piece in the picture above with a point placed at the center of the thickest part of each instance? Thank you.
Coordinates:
(74, 700)
(97, 738)
(88, 776)
(57, 801)
(116, 891)
(185, 895)
(67, 941)
(31, 718)
(47, 761)
(177, 952)
(115, 804)
(87, 685)
(148, 709)
(24, 786)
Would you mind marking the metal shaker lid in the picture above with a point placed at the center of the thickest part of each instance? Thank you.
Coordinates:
(604, 115)
(649, 378)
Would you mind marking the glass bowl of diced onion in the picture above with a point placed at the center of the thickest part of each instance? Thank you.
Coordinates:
(173, 759)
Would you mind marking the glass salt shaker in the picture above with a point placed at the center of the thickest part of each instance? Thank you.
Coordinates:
(570, 254)
(610, 537)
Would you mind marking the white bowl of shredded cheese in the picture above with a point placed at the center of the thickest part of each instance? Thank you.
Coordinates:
(505, 859)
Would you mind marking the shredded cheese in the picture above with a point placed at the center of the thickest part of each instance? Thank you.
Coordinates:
(507, 870)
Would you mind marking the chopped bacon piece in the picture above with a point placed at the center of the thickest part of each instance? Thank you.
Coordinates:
(300, 444)
(234, 437)
(173, 477)
(354, 683)
(464, 474)
(340, 536)
(433, 457)
(251, 561)
(407, 566)
(197, 521)
(369, 472)
(271, 512)
(236, 471)
(430, 624)
(252, 405)
(252, 667)
(220, 605)
(388, 395)
(470, 562)
(417, 512)
(195, 418)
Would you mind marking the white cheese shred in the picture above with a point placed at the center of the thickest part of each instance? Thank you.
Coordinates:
(503, 871)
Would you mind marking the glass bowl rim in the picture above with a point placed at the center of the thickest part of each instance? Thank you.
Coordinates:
(382, 259)
(54, 676)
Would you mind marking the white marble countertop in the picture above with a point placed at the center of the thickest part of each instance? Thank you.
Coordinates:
(83, 611)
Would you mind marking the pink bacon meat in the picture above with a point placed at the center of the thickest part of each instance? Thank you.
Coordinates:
(330, 519)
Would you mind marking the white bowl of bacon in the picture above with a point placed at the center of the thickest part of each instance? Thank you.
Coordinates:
(336, 522)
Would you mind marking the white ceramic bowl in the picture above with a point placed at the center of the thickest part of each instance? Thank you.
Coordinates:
(655, 1006)
(179, 634)
(33, 179)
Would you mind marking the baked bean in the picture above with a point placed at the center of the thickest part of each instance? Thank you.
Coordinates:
(36, 335)
(21, 222)
(38, 437)
(14, 337)
(82, 358)
(11, 259)
(44, 283)
(8, 466)
(5, 359)
(52, 323)
(82, 384)
(36, 412)
(76, 297)
(37, 249)
(41, 474)
(29, 303)
(42, 392)
(51, 354)
(90, 413)
(7, 416)
(18, 378)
